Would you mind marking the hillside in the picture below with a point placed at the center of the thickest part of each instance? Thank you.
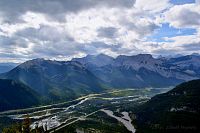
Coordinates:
(56, 80)
(15, 95)
(175, 111)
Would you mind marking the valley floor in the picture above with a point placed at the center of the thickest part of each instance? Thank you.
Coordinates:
(108, 112)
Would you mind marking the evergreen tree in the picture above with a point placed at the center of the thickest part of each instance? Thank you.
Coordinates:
(26, 125)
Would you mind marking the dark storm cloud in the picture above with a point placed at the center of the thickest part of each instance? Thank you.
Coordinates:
(184, 16)
(165, 52)
(192, 46)
(141, 29)
(96, 47)
(53, 50)
(6, 42)
(67, 28)
(45, 33)
(69, 48)
(13, 9)
(108, 32)
(187, 17)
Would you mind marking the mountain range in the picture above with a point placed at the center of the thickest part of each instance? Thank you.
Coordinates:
(55, 80)
(61, 80)
(142, 70)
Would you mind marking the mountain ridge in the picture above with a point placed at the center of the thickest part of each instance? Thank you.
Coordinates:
(55, 80)
(165, 68)
(61, 80)
(178, 108)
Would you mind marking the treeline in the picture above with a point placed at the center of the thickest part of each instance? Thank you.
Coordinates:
(24, 127)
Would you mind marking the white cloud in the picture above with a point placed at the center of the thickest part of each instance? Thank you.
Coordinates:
(152, 5)
(184, 16)
(109, 27)
(184, 44)
(81, 30)
(56, 9)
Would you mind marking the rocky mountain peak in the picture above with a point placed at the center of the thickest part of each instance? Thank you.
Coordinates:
(96, 60)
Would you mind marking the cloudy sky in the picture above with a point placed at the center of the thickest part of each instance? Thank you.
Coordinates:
(63, 29)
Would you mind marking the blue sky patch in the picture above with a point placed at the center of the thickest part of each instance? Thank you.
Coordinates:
(180, 2)
(167, 31)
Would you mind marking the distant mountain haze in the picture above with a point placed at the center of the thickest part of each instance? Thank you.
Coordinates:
(5, 67)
